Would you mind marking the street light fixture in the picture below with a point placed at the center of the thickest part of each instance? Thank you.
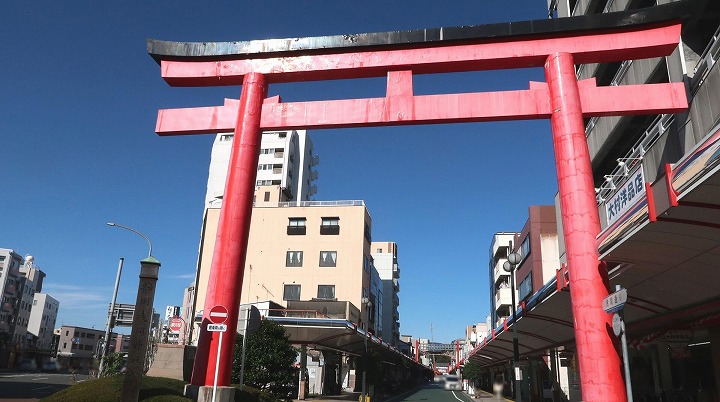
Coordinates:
(136, 232)
(365, 301)
(513, 259)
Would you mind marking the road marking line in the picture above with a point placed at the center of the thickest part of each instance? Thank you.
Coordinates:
(40, 378)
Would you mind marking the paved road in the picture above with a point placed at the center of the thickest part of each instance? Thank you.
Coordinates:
(427, 393)
(34, 386)
(436, 393)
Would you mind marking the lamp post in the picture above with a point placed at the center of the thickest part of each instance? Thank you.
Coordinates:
(110, 320)
(142, 316)
(136, 232)
(367, 303)
(509, 266)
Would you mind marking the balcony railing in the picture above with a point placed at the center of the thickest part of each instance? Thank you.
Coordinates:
(657, 129)
(352, 203)
(709, 57)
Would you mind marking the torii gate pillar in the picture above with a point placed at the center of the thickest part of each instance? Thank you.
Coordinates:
(598, 360)
(232, 235)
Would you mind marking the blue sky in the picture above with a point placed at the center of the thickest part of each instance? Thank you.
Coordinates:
(78, 101)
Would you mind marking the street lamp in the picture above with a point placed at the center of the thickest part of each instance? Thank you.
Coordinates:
(513, 259)
(136, 232)
(110, 320)
(368, 304)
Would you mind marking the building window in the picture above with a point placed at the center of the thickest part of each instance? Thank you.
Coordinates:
(294, 259)
(330, 226)
(525, 288)
(291, 292)
(296, 226)
(525, 249)
(226, 137)
(328, 258)
(326, 292)
(267, 196)
(368, 234)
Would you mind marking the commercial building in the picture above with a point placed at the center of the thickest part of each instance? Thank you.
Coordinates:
(656, 180)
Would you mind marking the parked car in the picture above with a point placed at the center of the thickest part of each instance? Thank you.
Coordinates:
(452, 382)
(27, 365)
(50, 366)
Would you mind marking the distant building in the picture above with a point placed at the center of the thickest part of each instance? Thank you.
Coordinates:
(29, 282)
(79, 342)
(10, 263)
(42, 320)
(385, 260)
(500, 296)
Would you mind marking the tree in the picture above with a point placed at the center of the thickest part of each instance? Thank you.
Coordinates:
(113, 364)
(472, 371)
(269, 360)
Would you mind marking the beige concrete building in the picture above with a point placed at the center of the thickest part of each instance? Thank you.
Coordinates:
(299, 251)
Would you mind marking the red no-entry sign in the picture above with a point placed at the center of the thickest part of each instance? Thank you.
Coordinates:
(218, 315)
(175, 324)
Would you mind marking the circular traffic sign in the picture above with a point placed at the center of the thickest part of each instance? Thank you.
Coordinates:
(175, 324)
(616, 324)
(218, 315)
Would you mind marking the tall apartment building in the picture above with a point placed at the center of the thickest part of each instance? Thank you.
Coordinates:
(537, 245)
(10, 263)
(28, 284)
(385, 259)
(302, 251)
(42, 320)
(286, 160)
(500, 296)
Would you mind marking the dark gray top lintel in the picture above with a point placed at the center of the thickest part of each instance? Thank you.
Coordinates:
(196, 51)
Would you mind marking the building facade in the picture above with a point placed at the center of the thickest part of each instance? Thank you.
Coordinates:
(42, 320)
(301, 251)
(385, 257)
(10, 263)
(286, 160)
(500, 296)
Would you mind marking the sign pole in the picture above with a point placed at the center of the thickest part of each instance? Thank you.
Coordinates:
(626, 359)
(242, 358)
(217, 365)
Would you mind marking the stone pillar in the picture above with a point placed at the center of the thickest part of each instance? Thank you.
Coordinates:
(142, 317)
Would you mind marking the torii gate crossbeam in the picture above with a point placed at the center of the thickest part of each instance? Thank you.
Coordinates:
(557, 45)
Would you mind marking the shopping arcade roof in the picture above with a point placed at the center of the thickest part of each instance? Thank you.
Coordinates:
(339, 335)
(670, 266)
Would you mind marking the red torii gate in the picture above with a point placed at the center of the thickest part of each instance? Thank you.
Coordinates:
(555, 44)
